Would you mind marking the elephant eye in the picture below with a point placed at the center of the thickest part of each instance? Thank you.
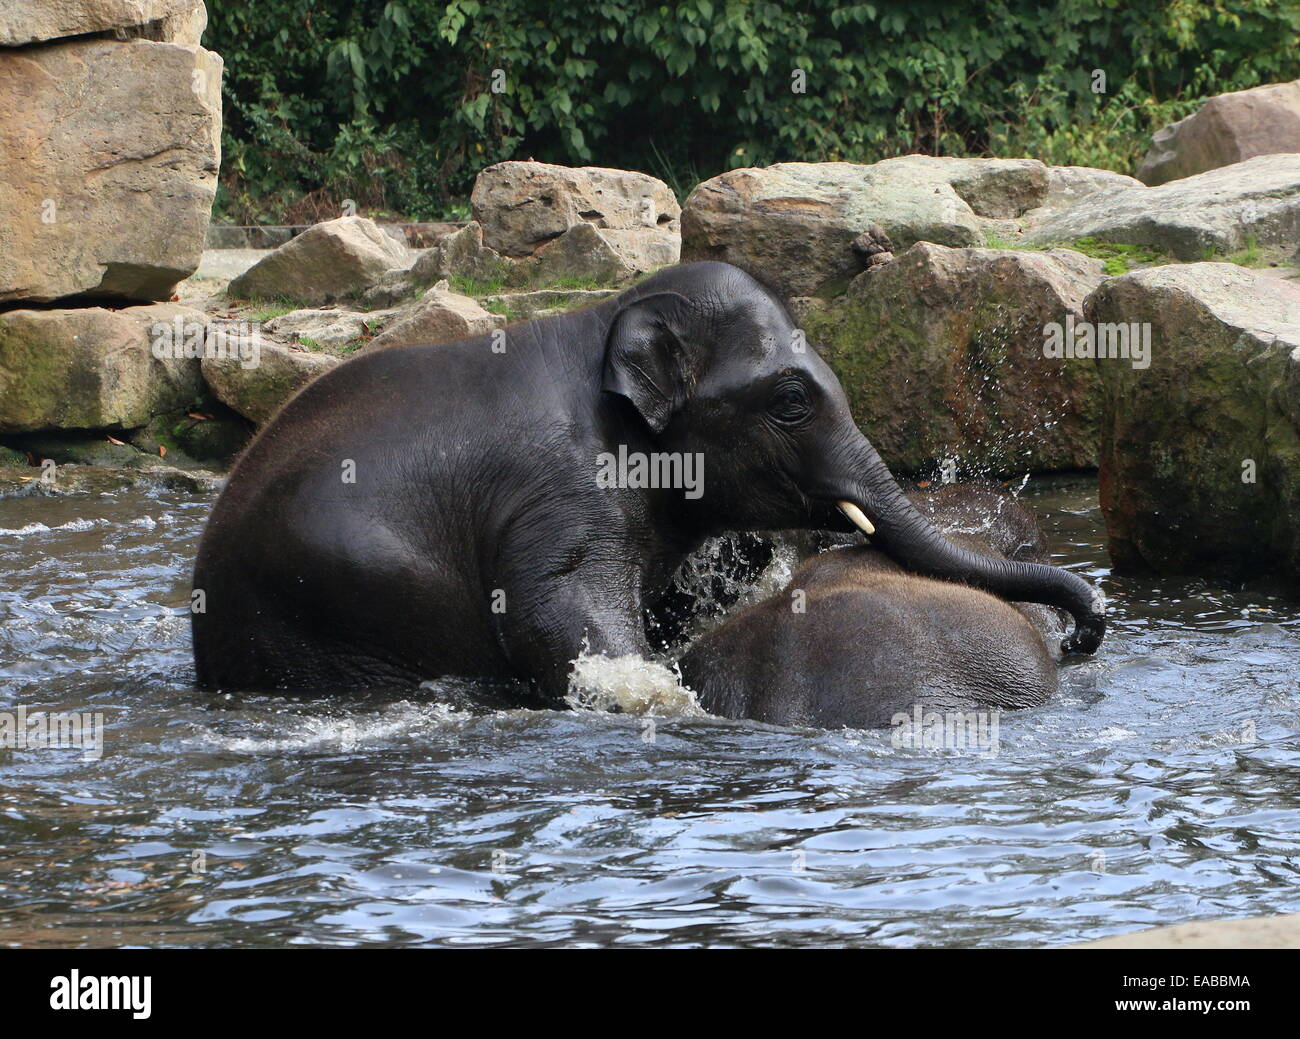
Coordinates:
(789, 403)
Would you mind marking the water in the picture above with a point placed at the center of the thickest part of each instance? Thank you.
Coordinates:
(1160, 785)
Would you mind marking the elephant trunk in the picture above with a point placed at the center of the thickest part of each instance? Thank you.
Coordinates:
(911, 539)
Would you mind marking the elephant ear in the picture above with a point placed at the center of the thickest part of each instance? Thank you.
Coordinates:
(645, 356)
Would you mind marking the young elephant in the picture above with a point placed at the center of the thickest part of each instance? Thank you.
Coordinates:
(855, 639)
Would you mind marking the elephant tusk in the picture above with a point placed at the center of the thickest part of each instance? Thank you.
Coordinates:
(856, 517)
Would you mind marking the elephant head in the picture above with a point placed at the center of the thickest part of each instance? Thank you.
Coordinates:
(715, 367)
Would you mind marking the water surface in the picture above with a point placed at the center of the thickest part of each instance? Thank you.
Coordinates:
(1161, 785)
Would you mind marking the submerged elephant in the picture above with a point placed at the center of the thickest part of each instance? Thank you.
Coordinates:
(492, 507)
(855, 640)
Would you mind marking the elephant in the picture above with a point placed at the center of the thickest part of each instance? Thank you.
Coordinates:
(855, 641)
(495, 507)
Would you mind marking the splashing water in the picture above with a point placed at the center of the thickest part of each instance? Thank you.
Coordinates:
(629, 684)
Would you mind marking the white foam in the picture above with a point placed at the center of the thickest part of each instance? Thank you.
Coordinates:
(631, 684)
(341, 733)
(41, 528)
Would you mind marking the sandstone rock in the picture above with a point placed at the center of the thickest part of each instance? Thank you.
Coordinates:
(1211, 213)
(1200, 456)
(460, 254)
(941, 353)
(994, 188)
(83, 449)
(1226, 129)
(523, 205)
(91, 368)
(1257, 932)
(330, 329)
(585, 253)
(215, 435)
(1069, 184)
(168, 21)
(524, 306)
(258, 392)
(792, 225)
(329, 261)
(441, 316)
(102, 194)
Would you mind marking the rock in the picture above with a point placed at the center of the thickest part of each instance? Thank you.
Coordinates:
(1069, 184)
(225, 264)
(792, 225)
(524, 306)
(872, 242)
(209, 434)
(170, 21)
(81, 449)
(258, 392)
(460, 254)
(1225, 130)
(393, 288)
(332, 260)
(87, 479)
(1214, 213)
(941, 353)
(523, 205)
(121, 202)
(1200, 455)
(441, 316)
(586, 254)
(330, 329)
(999, 189)
(92, 368)
(1257, 932)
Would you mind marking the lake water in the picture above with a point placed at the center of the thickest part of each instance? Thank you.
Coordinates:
(1162, 784)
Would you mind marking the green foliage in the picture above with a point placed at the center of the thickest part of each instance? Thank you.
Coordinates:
(393, 103)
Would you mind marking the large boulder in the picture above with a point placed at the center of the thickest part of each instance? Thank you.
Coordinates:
(586, 254)
(1200, 457)
(333, 260)
(169, 21)
(523, 205)
(258, 391)
(92, 368)
(793, 225)
(1215, 213)
(1068, 185)
(101, 193)
(441, 316)
(943, 355)
(998, 189)
(1225, 130)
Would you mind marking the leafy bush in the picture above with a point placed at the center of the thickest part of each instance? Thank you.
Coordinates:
(397, 104)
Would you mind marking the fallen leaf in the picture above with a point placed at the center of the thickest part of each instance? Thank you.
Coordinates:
(162, 451)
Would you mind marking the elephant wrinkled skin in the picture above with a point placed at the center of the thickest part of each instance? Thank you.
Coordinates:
(855, 641)
(430, 510)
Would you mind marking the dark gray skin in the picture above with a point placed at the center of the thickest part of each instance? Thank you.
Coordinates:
(476, 488)
(874, 641)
